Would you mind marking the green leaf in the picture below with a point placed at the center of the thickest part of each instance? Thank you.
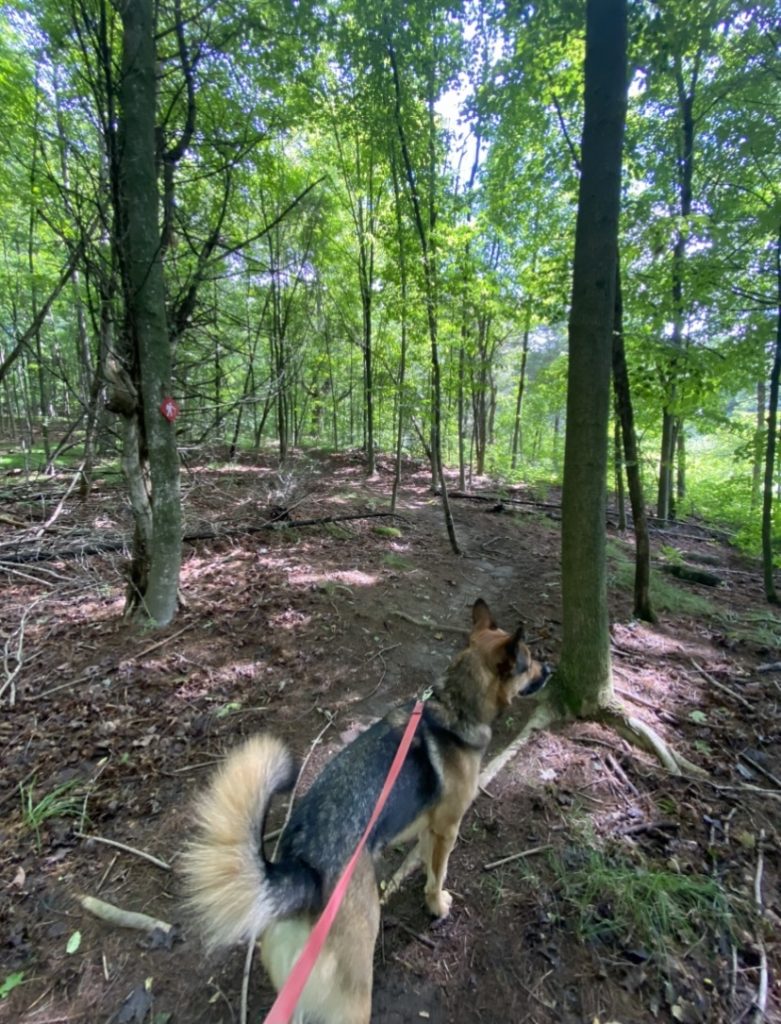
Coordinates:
(73, 943)
(698, 716)
(10, 983)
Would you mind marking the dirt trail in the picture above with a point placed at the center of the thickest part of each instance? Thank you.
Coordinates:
(286, 628)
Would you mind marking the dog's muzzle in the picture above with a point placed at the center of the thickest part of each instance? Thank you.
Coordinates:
(537, 684)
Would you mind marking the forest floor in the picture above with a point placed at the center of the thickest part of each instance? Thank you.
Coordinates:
(635, 898)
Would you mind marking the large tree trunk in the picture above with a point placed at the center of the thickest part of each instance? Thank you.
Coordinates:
(770, 452)
(584, 677)
(150, 438)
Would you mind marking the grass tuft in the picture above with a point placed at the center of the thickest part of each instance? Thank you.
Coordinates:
(639, 907)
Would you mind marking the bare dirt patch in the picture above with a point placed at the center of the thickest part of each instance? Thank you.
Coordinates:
(291, 628)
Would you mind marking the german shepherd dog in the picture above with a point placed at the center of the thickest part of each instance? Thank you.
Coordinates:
(238, 894)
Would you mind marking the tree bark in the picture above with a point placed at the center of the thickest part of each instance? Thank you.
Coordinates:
(584, 676)
(671, 422)
(158, 527)
(642, 590)
(770, 451)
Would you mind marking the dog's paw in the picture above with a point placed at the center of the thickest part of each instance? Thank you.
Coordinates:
(439, 903)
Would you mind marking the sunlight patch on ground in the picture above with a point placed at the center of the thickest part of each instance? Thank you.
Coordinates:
(345, 577)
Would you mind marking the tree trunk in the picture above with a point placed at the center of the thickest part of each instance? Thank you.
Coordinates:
(642, 595)
(430, 281)
(770, 452)
(517, 446)
(148, 433)
(403, 314)
(618, 470)
(759, 438)
(584, 676)
(684, 164)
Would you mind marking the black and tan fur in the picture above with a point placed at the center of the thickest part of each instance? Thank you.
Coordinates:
(237, 893)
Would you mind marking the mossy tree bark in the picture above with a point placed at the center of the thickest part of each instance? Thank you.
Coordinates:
(584, 678)
(150, 458)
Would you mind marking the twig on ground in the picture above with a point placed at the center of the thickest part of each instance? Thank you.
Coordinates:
(123, 918)
(617, 770)
(758, 767)
(381, 651)
(61, 504)
(426, 625)
(126, 849)
(165, 640)
(770, 666)
(12, 653)
(395, 923)
(722, 686)
(758, 1007)
(517, 856)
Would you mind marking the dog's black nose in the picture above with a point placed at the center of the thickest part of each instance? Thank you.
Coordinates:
(537, 684)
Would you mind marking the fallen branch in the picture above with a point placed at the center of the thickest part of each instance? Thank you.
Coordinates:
(126, 849)
(61, 504)
(40, 554)
(517, 856)
(760, 1003)
(759, 768)
(689, 574)
(424, 624)
(722, 686)
(123, 918)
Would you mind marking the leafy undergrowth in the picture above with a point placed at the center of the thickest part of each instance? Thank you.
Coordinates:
(589, 885)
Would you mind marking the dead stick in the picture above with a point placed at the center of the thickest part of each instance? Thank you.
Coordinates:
(760, 1003)
(127, 849)
(123, 918)
(758, 767)
(165, 640)
(722, 686)
(517, 856)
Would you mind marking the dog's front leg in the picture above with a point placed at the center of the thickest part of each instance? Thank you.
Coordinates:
(436, 847)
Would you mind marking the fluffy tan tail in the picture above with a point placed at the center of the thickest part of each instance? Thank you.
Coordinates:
(231, 887)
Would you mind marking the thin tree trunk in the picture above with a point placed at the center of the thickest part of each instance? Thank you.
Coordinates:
(517, 446)
(618, 470)
(403, 353)
(759, 438)
(429, 274)
(642, 587)
(671, 425)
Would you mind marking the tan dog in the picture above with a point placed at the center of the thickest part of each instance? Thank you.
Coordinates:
(238, 894)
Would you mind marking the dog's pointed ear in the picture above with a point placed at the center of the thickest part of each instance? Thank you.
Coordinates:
(516, 654)
(481, 615)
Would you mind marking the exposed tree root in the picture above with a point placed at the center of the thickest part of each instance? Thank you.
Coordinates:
(543, 717)
(636, 732)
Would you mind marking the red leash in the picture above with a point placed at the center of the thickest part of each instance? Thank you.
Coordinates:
(290, 993)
